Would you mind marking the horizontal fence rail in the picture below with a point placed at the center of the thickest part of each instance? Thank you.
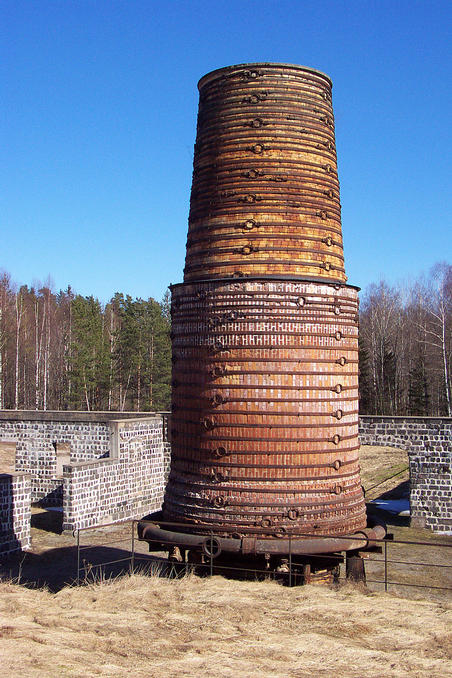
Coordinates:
(380, 559)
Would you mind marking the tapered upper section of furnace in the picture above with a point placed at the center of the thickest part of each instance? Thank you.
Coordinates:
(265, 193)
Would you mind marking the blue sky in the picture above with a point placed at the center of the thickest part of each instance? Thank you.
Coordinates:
(99, 103)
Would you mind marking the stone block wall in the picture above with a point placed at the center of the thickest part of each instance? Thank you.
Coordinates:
(15, 513)
(428, 441)
(41, 436)
(129, 485)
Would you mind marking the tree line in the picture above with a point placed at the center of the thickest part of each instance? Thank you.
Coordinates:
(406, 346)
(65, 351)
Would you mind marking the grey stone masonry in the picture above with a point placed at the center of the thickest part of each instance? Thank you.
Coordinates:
(15, 513)
(130, 484)
(41, 437)
(428, 441)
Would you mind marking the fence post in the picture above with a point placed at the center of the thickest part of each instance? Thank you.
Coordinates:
(132, 559)
(211, 553)
(78, 557)
(386, 565)
(290, 560)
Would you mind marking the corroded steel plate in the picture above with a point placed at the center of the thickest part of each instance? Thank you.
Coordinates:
(265, 407)
(265, 192)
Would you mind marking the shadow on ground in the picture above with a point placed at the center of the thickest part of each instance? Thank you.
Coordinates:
(57, 568)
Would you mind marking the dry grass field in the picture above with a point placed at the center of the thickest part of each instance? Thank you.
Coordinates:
(379, 466)
(149, 627)
(153, 627)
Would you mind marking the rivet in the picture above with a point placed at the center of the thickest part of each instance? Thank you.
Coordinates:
(208, 423)
(217, 399)
(280, 531)
(220, 452)
(249, 224)
(219, 501)
(247, 249)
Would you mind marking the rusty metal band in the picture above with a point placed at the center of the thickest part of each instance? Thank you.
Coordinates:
(263, 144)
(339, 499)
(238, 200)
(226, 359)
(271, 148)
(271, 372)
(278, 262)
(256, 413)
(225, 125)
(304, 123)
(284, 111)
(279, 182)
(217, 409)
(210, 254)
(288, 211)
(285, 230)
(255, 71)
(212, 332)
(253, 511)
(283, 177)
(227, 439)
(301, 90)
(196, 352)
(256, 101)
(260, 234)
(235, 168)
(287, 452)
(264, 280)
(298, 91)
(311, 316)
(319, 142)
(235, 302)
(193, 348)
(182, 429)
(296, 310)
(184, 475)
(230, 464)
(277, 387)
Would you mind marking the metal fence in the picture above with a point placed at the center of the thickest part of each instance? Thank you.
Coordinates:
(390, 563)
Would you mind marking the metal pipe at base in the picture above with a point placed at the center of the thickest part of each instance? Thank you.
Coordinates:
(212, 545)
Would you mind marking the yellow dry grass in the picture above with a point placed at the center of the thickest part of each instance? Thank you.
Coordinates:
(150, 627)
(378, 465)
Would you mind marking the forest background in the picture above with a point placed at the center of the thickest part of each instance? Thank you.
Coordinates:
(64, 351)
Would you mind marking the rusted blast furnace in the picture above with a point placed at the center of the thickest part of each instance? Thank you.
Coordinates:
(265, 329)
